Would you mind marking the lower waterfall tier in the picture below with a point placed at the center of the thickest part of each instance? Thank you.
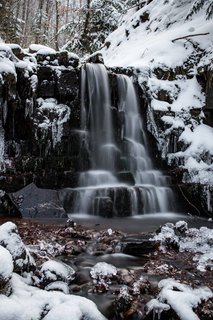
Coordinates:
(118, 200)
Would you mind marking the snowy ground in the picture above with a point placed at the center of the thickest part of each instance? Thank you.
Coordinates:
(45, 290)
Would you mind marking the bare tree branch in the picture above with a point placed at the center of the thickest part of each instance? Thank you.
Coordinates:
(190, 35)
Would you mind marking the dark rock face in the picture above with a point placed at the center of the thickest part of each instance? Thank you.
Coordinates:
(39, 132)
(205, 77)
(46, 82)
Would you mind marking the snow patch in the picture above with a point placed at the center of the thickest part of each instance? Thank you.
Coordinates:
(53, 117)
(182, 298)
(6, 264)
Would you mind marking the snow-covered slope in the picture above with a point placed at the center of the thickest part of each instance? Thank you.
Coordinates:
(146, 37)
(172, 53)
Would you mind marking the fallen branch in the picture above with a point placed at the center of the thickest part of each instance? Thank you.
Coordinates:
(191, 204)
(191, 35)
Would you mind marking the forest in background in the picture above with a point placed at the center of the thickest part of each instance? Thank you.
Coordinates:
(76, 25)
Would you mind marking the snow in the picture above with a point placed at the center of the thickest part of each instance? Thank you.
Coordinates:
(72, 55)
(58, 286)
(200, 143)
(14, 46)
(103, 271)
(46, 51)
(10, 239)
(6, 66)
(190, 95)
(200, 139)
(27, 302)
(150, 42)
(182, 298)
(196, 241)
(6, 49)
(45, 250)
(52, 269)
(37, 47)
(6, 264)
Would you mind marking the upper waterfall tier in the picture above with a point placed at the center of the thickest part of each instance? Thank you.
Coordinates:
(97, 116)
(121, 179)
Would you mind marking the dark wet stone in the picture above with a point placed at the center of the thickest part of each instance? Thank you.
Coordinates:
(137, 245)
(46, 82)
(37, 202)
(68, 84)
(9, 207)
(126, 177)
(103, 207)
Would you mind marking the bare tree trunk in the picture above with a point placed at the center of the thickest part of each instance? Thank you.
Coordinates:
(39, 24)
(56, 24)
(27, 27)
(67, 12)
(85, 36)
(47, 21)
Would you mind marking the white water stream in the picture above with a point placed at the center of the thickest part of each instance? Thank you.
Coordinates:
(100, 191)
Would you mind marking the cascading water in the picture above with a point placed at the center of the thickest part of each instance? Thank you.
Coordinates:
(100, 189)
(152, 183)
(99, 118)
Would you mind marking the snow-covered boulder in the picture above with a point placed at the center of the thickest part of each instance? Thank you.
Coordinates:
(6, 270)
(34, 48)
(54, 271)
(11, 240)
(17, 50)
(27, 302)
(103, 271)
(181, 298)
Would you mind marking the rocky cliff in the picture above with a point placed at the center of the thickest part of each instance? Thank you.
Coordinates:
(41, 139)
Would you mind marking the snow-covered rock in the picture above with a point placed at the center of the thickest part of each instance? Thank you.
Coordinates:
(51, 118)
(196, 241)
(6, 270)
(58, 286)
(34, 48)
(103, 272)
(52, 271)
(27, 302)
(10, 239)
(180, 297)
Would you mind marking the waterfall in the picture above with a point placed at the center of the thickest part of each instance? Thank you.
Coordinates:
(103, 148)
(153, 185)
(121, 180)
